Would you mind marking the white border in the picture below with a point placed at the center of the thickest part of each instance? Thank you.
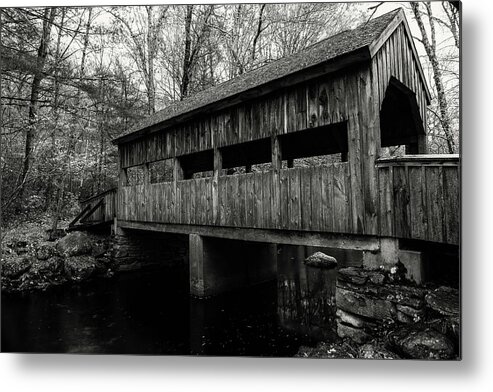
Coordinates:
(474, 373)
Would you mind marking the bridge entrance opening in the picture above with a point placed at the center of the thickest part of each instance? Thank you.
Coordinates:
(400, 122)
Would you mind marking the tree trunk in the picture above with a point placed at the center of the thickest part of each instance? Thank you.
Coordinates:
(151, 89)
(185, 81)
(49, 15)
(437, 74)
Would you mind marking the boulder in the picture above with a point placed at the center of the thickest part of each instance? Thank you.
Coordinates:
(44, 252)
(353, 275)
(357, 335)
(376, 351)
(79, 268)
(427, 344)
(364, 305)
(444, 300)
(320, 260)
(349, 318)
(14, 266)
(74, 244)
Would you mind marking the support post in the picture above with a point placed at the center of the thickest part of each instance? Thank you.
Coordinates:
(387, 256)
(276, 182)
(196, 255)
(178, 174)
(123, 177)
(218, 166)
(147, 174)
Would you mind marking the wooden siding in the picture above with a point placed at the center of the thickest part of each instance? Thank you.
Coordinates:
(322, 101)
(395, 58)
(312, 199)
(416, 201)
(420, 200)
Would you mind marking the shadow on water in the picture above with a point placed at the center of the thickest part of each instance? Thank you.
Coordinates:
(150, 312)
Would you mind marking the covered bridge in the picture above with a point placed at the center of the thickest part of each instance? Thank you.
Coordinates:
(223, 163)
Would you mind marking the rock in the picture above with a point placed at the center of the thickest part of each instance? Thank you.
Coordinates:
(358, 335)
(412, 312)
(427, 344)
(376, 351)
(444, 300)
(404, 318)
(45, 252)
(80, 268)
(75, 243)
(14, 266)
(364, 305)
(320, 260)
(353, 275)
(349, 318)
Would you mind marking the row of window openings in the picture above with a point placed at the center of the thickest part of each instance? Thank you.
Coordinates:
(163, 171)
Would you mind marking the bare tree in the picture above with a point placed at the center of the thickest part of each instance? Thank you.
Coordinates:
(142, 27)
(430, 45)
(48, 17)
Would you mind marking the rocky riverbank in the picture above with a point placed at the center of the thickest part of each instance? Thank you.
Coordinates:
(40, 263)
(381, 315)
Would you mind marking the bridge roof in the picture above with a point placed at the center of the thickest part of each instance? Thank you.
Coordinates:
(340, 48)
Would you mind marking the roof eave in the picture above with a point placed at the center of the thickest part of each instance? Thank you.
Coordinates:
(357, 56)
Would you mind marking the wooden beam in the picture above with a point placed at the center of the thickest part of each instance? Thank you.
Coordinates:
(79, 215)
(340, 241)
(420, 160)
(218, 166)
(147, 173)
(94, 208)
(178, 173)
(123, 177)
(276, 153)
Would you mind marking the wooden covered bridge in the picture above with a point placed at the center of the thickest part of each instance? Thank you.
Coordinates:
(225, 162)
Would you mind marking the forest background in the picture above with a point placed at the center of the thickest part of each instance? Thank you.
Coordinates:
(74, 78)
